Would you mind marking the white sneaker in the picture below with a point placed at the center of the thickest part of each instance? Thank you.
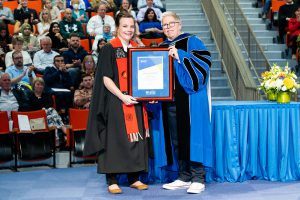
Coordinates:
(178, 184)
(196, 188)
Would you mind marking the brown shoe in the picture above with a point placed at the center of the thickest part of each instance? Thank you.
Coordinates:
(140, 186)
(115, 190)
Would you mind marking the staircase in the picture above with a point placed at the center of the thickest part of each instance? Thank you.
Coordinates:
(274, 52)
(194, 21)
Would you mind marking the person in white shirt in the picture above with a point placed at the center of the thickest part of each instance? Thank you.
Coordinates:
(54, 11)
(96, 23)
(44, 58)
(156, 4)
(142, 11)
(17, 43)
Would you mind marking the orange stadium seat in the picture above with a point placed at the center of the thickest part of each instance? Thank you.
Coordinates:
(147, 41)
(85, 44)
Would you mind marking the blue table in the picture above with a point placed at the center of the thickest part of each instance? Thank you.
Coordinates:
(255, 140)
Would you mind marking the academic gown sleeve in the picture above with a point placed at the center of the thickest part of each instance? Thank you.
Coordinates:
(96, 129)
(193, 67)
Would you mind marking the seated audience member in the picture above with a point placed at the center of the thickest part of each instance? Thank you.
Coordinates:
(96, 23)
(59, 44)
(54, 11)
(27, 18)
(61, 5)
(44, 58)
(31, 42)
(142, 11)
(82, 97)
(88, 65)
(95, 53)
(73, 58)
(17, 43)
(150, 27)
(284, 14)
(5, 38)
(2, 61)
(294, 31)
(18, 72)
(78, 14)
(126, 6)
(156, 4)
(6, 16)
(39, 99)
(11, 99)
(111, 6)
(22, 9)
(83, 4)
(44, 24)
(69, 25)
(58, 76)
(107, 35)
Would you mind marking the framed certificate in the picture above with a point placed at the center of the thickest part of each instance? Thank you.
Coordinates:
(150, 74)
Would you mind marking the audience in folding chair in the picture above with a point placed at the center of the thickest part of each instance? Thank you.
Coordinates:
(101, 42)
(88, 66)
(54, 11)
(6, 15)
(96, 23)
(284, 14)
(58, 77)
(17, 43)
(27, 18)
(44, 24)
(69, 25)
(22, 9)
(59, 44)
(11, 99)
(150, 27)
(5, 38)
(82, 97)
(19, 72)
(142, 11)
(73, 58)
(31, 43)
(78, 14)
(45, 56)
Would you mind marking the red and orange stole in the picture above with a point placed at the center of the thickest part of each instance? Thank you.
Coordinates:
(130, 118)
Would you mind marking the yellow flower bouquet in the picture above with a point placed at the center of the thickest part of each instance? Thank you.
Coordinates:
(278, 81)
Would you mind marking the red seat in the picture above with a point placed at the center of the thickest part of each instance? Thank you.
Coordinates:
(147, 41)
(35, 144)
(76, 134)
(85, 44)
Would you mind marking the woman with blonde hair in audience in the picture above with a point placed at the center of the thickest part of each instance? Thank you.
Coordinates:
(44, 24)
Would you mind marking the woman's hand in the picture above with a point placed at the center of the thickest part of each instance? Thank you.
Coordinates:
(128, 100)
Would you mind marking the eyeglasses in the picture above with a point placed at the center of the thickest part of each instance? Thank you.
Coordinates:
(169, 25)
(88, 62)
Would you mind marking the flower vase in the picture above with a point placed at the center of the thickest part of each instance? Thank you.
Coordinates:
(283, 97)
(271, 95)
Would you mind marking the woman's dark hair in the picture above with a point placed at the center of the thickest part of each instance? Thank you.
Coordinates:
(99, 41)
(51, 28)
(123, 14)
(146, 15)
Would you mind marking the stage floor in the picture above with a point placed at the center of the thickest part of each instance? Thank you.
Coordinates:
(83, 183)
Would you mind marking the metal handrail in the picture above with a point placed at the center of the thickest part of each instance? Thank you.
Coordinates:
(234, 62)
(255, 54)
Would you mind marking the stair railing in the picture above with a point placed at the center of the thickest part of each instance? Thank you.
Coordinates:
(233, 62)
(242, 29)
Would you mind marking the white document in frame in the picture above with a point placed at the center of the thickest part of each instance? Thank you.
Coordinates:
(23, 121)
(150, 73)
